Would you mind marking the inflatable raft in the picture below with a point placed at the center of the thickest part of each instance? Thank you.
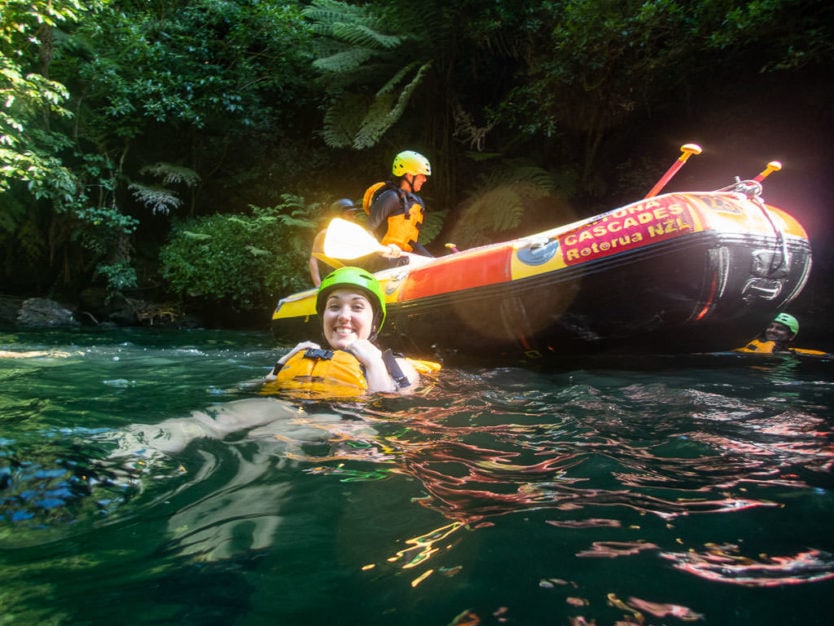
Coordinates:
(674, 273)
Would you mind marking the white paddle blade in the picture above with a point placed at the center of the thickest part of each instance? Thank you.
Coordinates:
(347, 240)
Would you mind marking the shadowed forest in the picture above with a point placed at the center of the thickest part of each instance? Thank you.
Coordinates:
(187, 151)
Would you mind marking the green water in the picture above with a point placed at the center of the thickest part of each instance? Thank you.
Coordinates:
(655, 490)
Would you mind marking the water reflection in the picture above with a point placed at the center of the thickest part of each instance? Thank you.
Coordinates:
(726, 564)
(707, 476)
(578, 450)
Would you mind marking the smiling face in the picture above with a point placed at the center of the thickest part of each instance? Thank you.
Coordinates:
(348, 316)
(778, 332)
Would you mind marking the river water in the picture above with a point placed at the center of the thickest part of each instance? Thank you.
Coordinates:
(650, 490)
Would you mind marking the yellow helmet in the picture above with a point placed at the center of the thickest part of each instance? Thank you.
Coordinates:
(410, 162)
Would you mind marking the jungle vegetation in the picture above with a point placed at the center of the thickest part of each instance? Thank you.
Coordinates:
(189, 149)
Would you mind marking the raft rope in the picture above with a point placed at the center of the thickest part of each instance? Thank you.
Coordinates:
(752, 190)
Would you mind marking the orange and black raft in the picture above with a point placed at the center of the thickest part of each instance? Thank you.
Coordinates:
(674, 273)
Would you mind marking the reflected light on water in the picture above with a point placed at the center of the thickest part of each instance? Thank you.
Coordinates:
(590, 496)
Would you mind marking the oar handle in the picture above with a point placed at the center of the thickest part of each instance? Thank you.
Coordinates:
(773, 166)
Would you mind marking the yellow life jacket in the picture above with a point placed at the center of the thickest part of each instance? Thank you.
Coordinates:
(371, 193)
(424, 367)
(758, 346)
(332, 373)
(329, 373)
(402, 228)
(767, 347)
(810, 352)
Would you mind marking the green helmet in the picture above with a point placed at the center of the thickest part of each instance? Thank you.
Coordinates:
(410, 162)
(788, 320)
(354, 277)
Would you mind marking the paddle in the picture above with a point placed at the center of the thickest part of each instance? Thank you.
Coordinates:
(773, 166)
(687, 150)
(348, 240)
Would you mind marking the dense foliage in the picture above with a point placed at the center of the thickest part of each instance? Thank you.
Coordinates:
(136, 133)
(238, 258)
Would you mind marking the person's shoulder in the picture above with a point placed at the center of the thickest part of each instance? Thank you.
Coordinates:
(388, 200)
(389, 192)
(413, 198)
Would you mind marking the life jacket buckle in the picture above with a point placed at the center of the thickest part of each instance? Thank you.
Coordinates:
(318, 353)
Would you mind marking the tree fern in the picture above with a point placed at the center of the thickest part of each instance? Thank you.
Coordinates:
(357, 49)
(171, 174)
(499, 203)
(343, 119)
(359, 34)
(432, 225)
(344, 61)
(158, 199)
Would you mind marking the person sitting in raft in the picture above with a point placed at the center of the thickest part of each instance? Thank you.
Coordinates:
(396, 211)
(778, 338)
(351, 305)
(321, 265)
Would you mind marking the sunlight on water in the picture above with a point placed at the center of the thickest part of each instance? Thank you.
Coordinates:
(143, 470)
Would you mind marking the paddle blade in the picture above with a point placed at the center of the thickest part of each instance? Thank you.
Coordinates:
(347, 240)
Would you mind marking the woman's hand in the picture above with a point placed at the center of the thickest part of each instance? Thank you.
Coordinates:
(304, 345)
(392, 251)
(365, 351)
(376, 372)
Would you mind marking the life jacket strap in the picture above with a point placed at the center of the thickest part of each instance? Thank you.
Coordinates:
(394, 369)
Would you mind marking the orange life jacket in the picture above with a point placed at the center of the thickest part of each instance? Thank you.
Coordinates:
(332, 373)
(759, 346)
(403, 228)
(767, 347)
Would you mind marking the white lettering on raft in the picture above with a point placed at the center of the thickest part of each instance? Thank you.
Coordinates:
(624, 227)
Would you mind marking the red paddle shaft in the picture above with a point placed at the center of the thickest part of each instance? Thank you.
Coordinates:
(687, 150)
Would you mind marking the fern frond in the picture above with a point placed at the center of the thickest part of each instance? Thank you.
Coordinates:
(190, 234)
(257, 252)
(158, 199)
(378, 118)
(171, 174)
(386, 110)
(432, 225)
(344, 61)
(343, 119)
(396, 79)
(356, 49)
(499, 202)
(359, 34)
(332, 11)
(292, 221)
(518, 172)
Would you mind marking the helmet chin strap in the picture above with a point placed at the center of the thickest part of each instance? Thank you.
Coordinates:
(410, 182)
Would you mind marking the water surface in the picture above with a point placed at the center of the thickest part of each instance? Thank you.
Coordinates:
(651, 490)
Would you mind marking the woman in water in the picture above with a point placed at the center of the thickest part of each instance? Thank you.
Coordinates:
(351, 305)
